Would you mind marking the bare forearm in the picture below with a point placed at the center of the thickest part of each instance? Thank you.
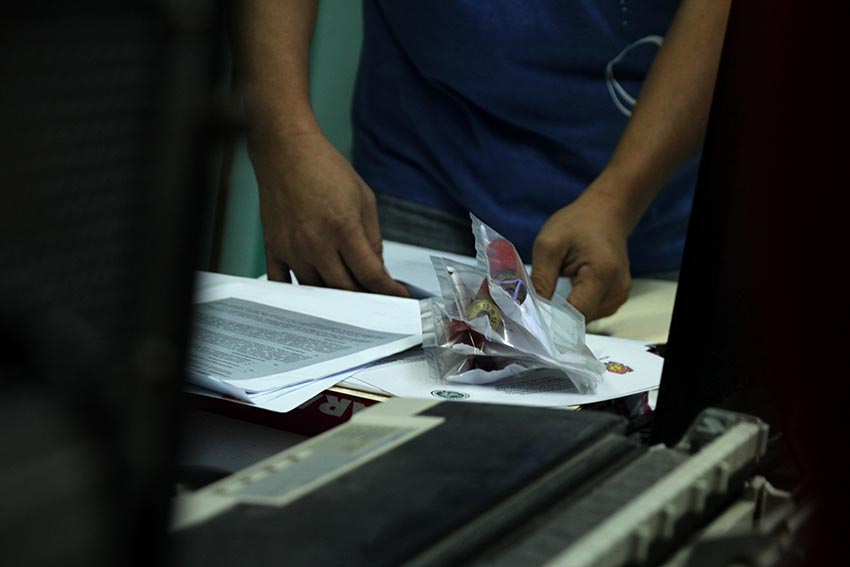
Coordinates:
(669, 120)
(272, 67)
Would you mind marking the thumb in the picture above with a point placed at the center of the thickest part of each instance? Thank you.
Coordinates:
(545, 268)
(587, 293)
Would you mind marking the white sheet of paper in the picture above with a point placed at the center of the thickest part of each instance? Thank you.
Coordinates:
(356, 384)
(281, 400)
(294, 398)
(378, 313)
(632, 370)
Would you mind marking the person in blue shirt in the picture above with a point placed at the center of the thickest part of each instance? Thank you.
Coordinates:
(571, 127)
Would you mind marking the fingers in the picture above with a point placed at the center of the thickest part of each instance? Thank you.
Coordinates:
(615, 299)
(308, 275)
(368, 269)
(322, 266)
(598, 292)
(547, 258)
(588, 290)
(276, 270)
(279, 270)
(355, 266)
(371, 274)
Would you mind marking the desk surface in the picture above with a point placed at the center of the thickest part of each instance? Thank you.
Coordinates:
(226, 444)
(645, 316)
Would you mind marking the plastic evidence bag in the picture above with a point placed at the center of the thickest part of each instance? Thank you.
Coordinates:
(490, 324)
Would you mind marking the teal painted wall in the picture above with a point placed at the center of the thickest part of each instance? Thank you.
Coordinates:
(333, 60)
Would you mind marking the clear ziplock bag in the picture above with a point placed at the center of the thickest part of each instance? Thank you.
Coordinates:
(489, 323)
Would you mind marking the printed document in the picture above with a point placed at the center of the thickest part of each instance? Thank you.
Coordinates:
(236, 339)
(254, 339)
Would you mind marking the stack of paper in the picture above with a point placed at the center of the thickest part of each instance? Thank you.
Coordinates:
(277, 345)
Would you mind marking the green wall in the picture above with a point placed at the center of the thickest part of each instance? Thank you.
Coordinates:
(333, 60)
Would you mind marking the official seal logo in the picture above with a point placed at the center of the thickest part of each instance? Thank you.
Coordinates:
(449, 394)
(618, 367)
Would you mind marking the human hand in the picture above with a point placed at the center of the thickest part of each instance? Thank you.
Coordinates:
(319, 218)
(586, 241)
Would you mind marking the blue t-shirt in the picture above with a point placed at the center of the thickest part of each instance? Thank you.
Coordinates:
(509, 109)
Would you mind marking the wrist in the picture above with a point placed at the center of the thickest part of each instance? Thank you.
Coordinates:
(622, 196)
(283, 138)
